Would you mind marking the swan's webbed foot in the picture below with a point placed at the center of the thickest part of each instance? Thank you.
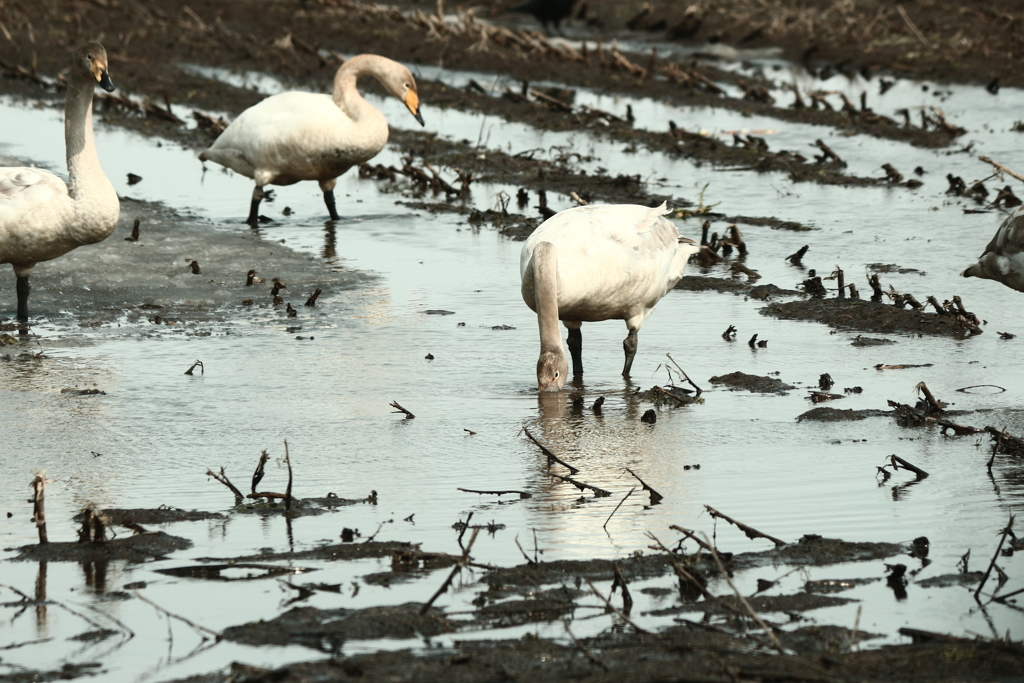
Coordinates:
(575, 343)
(329, 201)
(629, 346)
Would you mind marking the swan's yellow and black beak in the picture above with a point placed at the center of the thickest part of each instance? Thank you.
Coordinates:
(412, 101)
(105, 81)
(99, 72)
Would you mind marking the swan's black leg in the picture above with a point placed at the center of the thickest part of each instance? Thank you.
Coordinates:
(575, 342)
(23, 289)
(629, 346)
(329, 201)
(254, 207)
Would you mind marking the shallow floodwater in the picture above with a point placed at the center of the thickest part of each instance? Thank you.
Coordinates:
(150, 438)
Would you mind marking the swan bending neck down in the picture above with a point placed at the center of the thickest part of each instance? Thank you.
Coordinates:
(297, 136)
(41, 218)
(1003, 260)
(592, 263)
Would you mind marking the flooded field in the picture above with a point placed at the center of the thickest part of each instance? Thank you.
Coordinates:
(421, 306)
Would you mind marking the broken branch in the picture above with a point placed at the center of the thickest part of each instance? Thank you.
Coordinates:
(749, 531)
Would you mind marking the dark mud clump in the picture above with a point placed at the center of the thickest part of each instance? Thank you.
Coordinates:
(235, 571)
(543, 606)
(343, 551)
(835, 585)
(137, 548)
(669, 395)
(815, 550)
(741, 381)
(762, 604)
(771, 222)
(570, 571)
(866, 316)
(825, 414)
(703, 283)
(892, 268)
(870, 341)
(65, 673)
(154, 516)
(512, 225)
(303, 507)
(326, 630)
(946, 580)
(824, 638)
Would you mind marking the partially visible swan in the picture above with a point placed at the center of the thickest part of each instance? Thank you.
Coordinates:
(297, 136)
(1003, 259)
(41, 218)
(598, 262)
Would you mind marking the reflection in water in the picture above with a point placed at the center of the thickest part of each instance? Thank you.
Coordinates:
(901, 491)
(96, 575)
(288, 530)
(41, 621)
(330, 241)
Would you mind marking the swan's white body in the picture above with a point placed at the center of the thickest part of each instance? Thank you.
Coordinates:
(297, 136)
(41, 218)
(1003, 259)
(600, 262)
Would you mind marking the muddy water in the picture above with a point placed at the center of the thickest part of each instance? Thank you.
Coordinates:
(383, 267)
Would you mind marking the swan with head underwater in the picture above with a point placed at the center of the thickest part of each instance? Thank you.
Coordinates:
(598, 262)
(297, 136)
(41, 218)
(1003, 259)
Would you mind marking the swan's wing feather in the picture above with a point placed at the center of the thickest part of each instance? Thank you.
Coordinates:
(22, 189)
(1009, 239)
(290, 131)
(615, 261)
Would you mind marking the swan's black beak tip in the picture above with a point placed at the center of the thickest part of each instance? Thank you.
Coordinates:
(105, 82)
(419, 117)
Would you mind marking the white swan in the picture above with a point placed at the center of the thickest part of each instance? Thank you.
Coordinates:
(41, 218)
(297, 136)
(599, 262)
(1003, 259)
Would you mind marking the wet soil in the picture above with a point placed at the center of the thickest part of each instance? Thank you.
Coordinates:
(137, 548)
(341, 551)
(925, 39)
(704, 283)
(866, 316)
(154, 516)
(703, 653)
(826, 414)
(741, 381)
(328, 629)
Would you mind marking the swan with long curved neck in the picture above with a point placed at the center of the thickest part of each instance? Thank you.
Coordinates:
(41, 218)
(297, 136)
(598, 262)
(1003, 260)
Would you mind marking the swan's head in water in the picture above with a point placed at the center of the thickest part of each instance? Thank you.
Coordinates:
(400, 83)
(92, 59)
(552, 368)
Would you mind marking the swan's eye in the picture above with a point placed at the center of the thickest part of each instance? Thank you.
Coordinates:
(556, 374)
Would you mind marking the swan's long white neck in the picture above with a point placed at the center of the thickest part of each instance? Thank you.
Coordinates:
(346, 95)
(83, 162)
(545, 280)
(93, 197)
